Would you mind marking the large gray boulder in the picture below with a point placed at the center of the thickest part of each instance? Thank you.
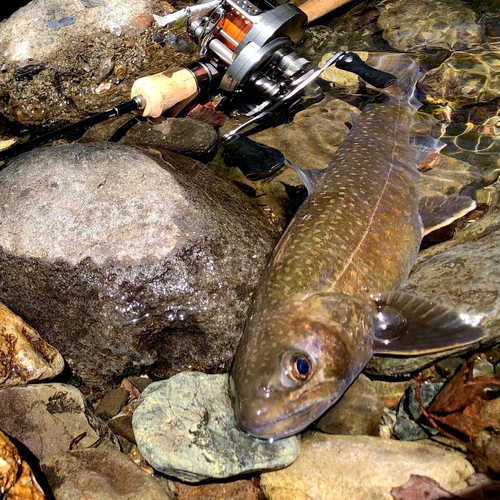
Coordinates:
(61, 60)
(129, 263)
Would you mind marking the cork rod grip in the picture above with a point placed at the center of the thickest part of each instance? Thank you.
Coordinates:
(314, 9)
(165, 90)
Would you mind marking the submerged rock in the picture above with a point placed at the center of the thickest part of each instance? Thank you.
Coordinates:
(60, 58)
(129, 263)
(185, 427)
(47, 418)
(327, 119)
(99, 475)
(465, 78)
(428, 24)
(361, 467)
(24, 355)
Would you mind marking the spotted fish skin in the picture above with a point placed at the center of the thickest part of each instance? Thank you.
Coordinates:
(356, 235)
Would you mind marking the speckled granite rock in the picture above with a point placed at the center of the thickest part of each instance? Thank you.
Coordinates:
(127, 263)
(46, 418)
(185, 427)
(99, 475)
(24, 355)
(63, 60)
(361, 468)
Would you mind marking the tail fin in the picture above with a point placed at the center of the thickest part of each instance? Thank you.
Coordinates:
(405, 69)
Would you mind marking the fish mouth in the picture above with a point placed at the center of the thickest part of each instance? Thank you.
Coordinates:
(279, 427)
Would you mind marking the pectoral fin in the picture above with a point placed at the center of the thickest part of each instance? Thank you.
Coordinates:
(310, 177)
(440, 210)
(407, 324)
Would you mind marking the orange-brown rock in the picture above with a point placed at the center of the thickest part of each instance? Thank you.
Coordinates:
(24, 355)
(17, 481)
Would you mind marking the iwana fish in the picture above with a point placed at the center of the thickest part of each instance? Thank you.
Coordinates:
(329, 299)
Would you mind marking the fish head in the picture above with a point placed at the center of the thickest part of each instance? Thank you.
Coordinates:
(295, 361)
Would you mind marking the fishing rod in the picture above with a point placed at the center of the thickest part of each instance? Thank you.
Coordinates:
(247, 54)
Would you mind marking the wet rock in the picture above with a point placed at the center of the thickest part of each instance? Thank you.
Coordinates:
(361, 467)
(24, 355)
(482, 368)
(53, 57)
(410, 423)
(99, 475)
(111, 404)
(243, 489)
(319, 40)
(357, 413)
(180, 135)
(448, 367)
(46, 418)
(465, 78)
(428, 24)
(127, 263)
(185, 428)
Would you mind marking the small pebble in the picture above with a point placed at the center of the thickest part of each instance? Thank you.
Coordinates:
(111, 404)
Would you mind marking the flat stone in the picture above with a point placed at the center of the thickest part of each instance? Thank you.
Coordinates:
(112, 402)
(180, 135)
(99, 475)
(358, 412)
(242, 489)
(24, 355)
(46, 418)
(122, 426)
(361, 468)
(129, 263)
(185, 428)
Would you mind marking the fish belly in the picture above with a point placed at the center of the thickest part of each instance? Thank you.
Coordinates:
(360, 231)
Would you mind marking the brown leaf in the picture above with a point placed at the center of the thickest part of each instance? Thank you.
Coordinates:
(458, 405)
(207, 114)
(134, 393)
(420, 488)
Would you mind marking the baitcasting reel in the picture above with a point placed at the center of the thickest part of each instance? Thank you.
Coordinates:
(248, 54)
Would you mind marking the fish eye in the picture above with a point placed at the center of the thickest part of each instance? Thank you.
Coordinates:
(300, 367)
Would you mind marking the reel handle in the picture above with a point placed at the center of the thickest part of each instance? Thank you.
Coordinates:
(164, 90)
(353, 63)
(314, 9)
